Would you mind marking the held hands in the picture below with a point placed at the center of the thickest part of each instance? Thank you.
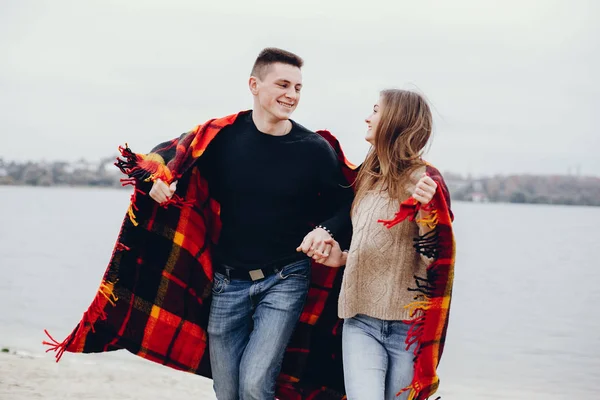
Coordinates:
(314, 244)
(161, 192)
(425, 189)
(336, 258)
(321, 247)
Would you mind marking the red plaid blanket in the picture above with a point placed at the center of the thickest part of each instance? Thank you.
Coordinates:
(429, 315)
(154, 298)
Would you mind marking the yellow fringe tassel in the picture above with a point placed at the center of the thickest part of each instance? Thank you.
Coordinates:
(132, 215)
(416, 305)
(106, 289)
(412, 395)
(431, 221)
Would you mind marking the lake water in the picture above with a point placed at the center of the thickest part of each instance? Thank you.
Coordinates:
(524, 320)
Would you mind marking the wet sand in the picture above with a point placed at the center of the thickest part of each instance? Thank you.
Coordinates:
(96, 376)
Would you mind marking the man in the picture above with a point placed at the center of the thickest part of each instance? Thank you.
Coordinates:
(272, 178)
(208, 274)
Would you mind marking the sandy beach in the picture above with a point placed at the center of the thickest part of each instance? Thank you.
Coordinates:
(99, 376)
(122, 376)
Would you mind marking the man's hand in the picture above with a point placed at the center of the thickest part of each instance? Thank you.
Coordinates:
(160, 192)
(425, 189)
(336, 258)
(314, 244)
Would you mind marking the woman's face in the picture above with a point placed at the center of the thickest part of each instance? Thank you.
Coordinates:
(372, 122)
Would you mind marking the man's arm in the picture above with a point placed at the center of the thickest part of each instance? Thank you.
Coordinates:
(336, 196)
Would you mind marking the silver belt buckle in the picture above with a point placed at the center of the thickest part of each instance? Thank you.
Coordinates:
(256, 274)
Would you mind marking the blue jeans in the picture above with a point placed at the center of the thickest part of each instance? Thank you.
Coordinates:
(376, 362)
(249, 327)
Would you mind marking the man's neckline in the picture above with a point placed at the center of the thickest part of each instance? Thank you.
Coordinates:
(289, 128)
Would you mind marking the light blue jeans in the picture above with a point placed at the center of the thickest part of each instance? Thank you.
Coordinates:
(376, 362)
(249, 327)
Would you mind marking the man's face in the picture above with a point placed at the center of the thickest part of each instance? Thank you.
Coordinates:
(278, 93)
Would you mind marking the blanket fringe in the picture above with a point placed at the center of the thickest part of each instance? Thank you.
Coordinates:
(95, 312)
(431, 221)
(426, 245)
(424, 285)
(414, 394)
(133, 207)
(129, 164)
(143, 167)
(129, 167)
(178, 201)
(107, 290)
(54, 345)
(147, 168)
(406, 211)
(409, 209)
(121, 247)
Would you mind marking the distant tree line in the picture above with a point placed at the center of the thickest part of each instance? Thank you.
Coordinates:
(81, 173)
(536, 189)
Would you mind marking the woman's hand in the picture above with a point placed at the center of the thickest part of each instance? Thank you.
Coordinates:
(425, 189)
(336, 257)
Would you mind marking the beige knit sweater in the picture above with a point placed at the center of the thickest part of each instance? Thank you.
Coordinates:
(381, 262)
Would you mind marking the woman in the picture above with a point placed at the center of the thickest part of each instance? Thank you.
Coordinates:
(385, 331)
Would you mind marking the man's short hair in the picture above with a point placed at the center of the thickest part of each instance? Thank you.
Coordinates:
(272, 55)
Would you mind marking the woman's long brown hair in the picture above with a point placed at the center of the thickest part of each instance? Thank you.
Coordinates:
(404, 129)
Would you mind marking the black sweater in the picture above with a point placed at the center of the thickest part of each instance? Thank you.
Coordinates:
(272, 191)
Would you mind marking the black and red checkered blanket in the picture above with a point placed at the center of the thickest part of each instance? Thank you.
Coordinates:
(154, 297)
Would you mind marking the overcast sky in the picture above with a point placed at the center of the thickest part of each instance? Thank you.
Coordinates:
(512, 83)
